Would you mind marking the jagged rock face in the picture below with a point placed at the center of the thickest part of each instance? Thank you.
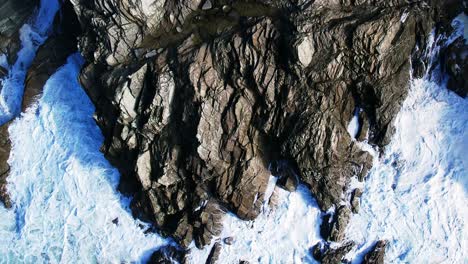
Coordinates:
(201, 102)
(376, 254)
(327, 255)
(5, 147)
(333, 229)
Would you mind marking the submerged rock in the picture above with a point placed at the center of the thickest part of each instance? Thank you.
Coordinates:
(228, 240)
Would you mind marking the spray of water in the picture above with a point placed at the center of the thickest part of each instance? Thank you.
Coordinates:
(32, 35)
(415, 195)
(65, 205)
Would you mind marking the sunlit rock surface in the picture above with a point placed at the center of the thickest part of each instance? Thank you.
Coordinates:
(199, 102)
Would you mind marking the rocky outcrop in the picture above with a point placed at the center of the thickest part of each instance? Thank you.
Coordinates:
(202, 101)
(327, 255)
(214, 254)
(456, 66)
(452, 58)
(355, 200)
(333, 226)
(13, 14)
(5, 147)
(377, 253)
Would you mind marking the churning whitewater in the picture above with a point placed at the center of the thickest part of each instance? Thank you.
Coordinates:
(415, 195)
(65, 205)
(32, 35)
(283, 233)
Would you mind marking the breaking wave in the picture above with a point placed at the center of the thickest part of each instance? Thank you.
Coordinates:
(66, 207)
(415, 195)
(283, 233)
(32, 35)
(65, 204)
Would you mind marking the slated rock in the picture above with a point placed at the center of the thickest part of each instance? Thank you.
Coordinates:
(209, 223)
(5, 146)
(305, 51)
(327, 255)
(355, 197)
(214, 254)
(287, 175)
(207, 5)
(377, 253)
(334, 229)
(52, 54)
(227, 95)
(3, 72)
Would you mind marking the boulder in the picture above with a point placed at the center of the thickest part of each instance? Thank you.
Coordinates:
(168, 255)
(328, 255)
(355, 200)
(376, 254)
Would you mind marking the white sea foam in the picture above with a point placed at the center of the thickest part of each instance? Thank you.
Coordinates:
(65, 199)
(66, 207)
(283, 233)
(415, 195)
(32, 35)
(353, 126)
(3, 61)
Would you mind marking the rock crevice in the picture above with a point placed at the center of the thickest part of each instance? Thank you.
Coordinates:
(199, 103)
